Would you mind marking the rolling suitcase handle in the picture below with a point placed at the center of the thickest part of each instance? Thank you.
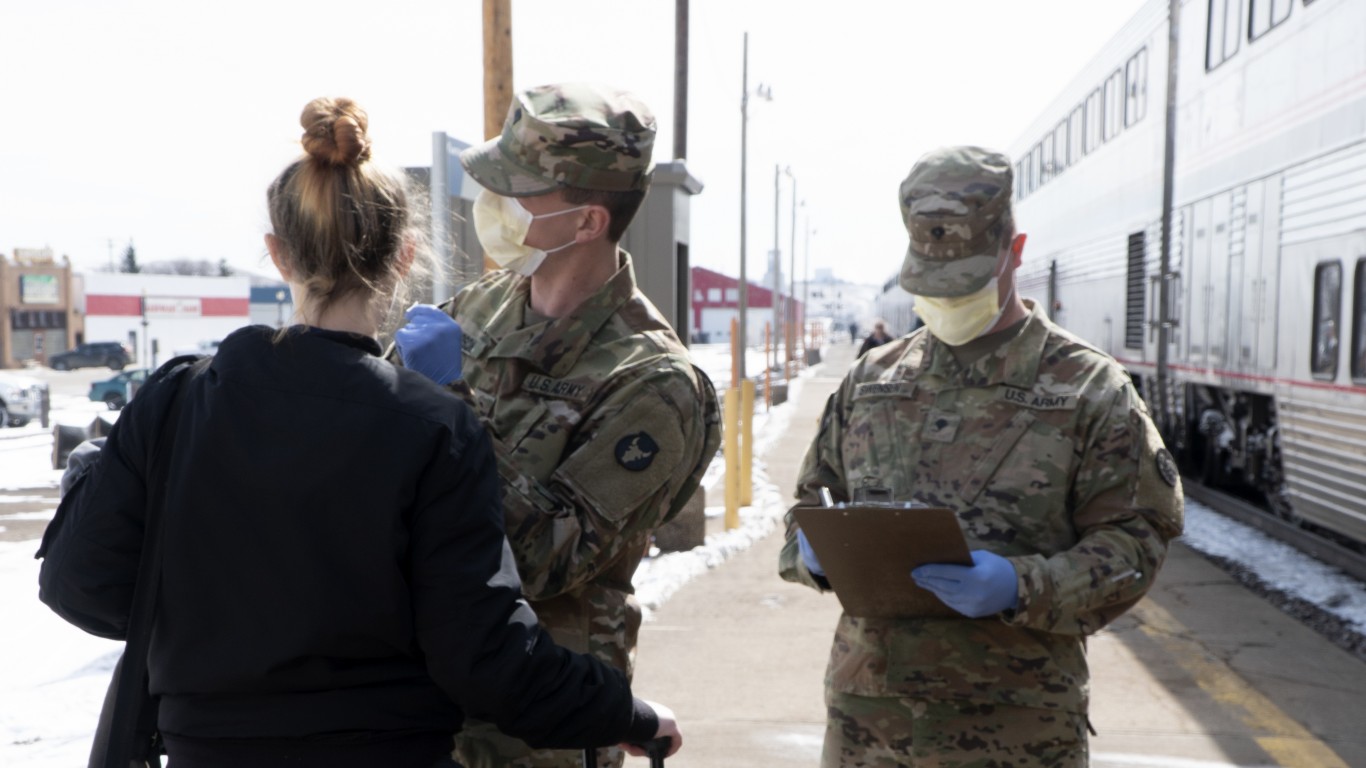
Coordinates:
(655, 749)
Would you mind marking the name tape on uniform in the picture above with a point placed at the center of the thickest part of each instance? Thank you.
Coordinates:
(884, 389)
(1040, 401)
(547, 387)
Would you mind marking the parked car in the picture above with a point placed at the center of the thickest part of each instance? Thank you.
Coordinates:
(92, 354)
(116, 392)
(21, 399)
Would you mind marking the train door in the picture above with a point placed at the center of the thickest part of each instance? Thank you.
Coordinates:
(1264, 265)
(1238, 352)
(1219, 279)
(1196, 279)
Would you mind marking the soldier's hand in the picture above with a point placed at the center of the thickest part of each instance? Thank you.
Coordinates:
(430, 343)
(668, 733)
(809, 555)
(988, 586)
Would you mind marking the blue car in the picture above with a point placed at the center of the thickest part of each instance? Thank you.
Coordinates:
(116, 392)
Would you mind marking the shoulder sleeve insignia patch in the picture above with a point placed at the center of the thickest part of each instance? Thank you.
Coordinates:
(636, 451)
(1166, 467)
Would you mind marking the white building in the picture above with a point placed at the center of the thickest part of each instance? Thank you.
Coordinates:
(156, 315)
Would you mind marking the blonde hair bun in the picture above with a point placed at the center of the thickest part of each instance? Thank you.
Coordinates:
(334, 131)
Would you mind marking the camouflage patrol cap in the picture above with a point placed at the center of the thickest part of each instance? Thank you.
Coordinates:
(956, 206)
(567, 135)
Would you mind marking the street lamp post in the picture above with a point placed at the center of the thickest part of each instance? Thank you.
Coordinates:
(146, 344)
(777, 269)
(806, 280)
(767, 95)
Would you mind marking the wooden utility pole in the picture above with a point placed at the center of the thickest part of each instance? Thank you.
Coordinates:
(497, 64)
(680, 79)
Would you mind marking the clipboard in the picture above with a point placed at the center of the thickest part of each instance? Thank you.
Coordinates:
(868, 553)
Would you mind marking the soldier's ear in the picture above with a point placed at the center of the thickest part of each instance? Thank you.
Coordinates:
(1017, 245)
(594, 224)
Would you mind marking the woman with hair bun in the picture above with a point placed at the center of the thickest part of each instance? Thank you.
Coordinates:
(336, 589)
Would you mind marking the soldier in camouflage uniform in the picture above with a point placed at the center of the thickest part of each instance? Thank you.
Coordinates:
(602, 427)
(1040, 444)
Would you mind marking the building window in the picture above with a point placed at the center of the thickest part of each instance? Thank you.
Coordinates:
(697, 297)
(1323, 343)
(1359, 322)
(1095, 118)
(1136, 87)
(1265, 15)
(1076, 134)
(714, 295)
(1224, 33)
(1019, 180)
(732, 295)
(1045, 160)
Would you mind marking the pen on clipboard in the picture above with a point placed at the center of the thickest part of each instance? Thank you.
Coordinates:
(826, 499)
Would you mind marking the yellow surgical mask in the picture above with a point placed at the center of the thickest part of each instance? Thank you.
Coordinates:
(956, 320)
(502, 223)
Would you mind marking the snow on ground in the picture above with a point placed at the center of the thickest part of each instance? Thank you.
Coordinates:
(53, 676)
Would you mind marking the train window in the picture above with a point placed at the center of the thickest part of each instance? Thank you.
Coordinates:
(1035, 167)
(1020, 180)
(1265, 15)
(1076, 134)
(1136, 87)
(1046, 160)
(1224, 33)
(1094, 119)
(1114, 104)
(1323, 357)
(1060, 148)
(1359, 322)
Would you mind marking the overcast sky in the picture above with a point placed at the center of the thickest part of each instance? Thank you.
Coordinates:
(162, 122)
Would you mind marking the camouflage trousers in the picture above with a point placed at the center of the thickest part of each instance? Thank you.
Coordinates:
(868, 732)
(481, 745)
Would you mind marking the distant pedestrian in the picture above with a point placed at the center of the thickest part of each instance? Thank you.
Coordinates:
(1044, 450)
(877, 338)
(336, 588)
(853, 333)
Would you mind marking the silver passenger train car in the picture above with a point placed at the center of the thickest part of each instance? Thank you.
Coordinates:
(1262, 387)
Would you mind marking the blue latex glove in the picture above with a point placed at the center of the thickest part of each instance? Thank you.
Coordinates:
(430, 343)
(987, 586)
(808, 555)
(79, 462)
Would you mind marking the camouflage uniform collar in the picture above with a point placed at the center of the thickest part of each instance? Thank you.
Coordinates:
(555, 347)
(1015, 362)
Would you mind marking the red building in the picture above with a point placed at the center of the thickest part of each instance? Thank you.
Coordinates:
(716, 300)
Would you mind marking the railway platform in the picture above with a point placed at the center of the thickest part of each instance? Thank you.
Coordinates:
(1201, 674)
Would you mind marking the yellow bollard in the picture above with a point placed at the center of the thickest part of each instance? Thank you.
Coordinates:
(746, 442)
(731, 433)
(768, 371)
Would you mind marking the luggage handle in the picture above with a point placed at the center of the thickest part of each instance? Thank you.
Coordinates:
(655, 749)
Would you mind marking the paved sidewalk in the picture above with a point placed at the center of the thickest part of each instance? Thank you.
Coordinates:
(739, 653)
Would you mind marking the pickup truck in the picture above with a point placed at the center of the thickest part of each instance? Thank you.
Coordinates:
(21, 399)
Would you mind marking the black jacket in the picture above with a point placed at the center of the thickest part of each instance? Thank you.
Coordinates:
(335, 568)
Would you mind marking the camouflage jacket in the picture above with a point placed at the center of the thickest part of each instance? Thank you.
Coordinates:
(602, 430)
(1048, 456)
